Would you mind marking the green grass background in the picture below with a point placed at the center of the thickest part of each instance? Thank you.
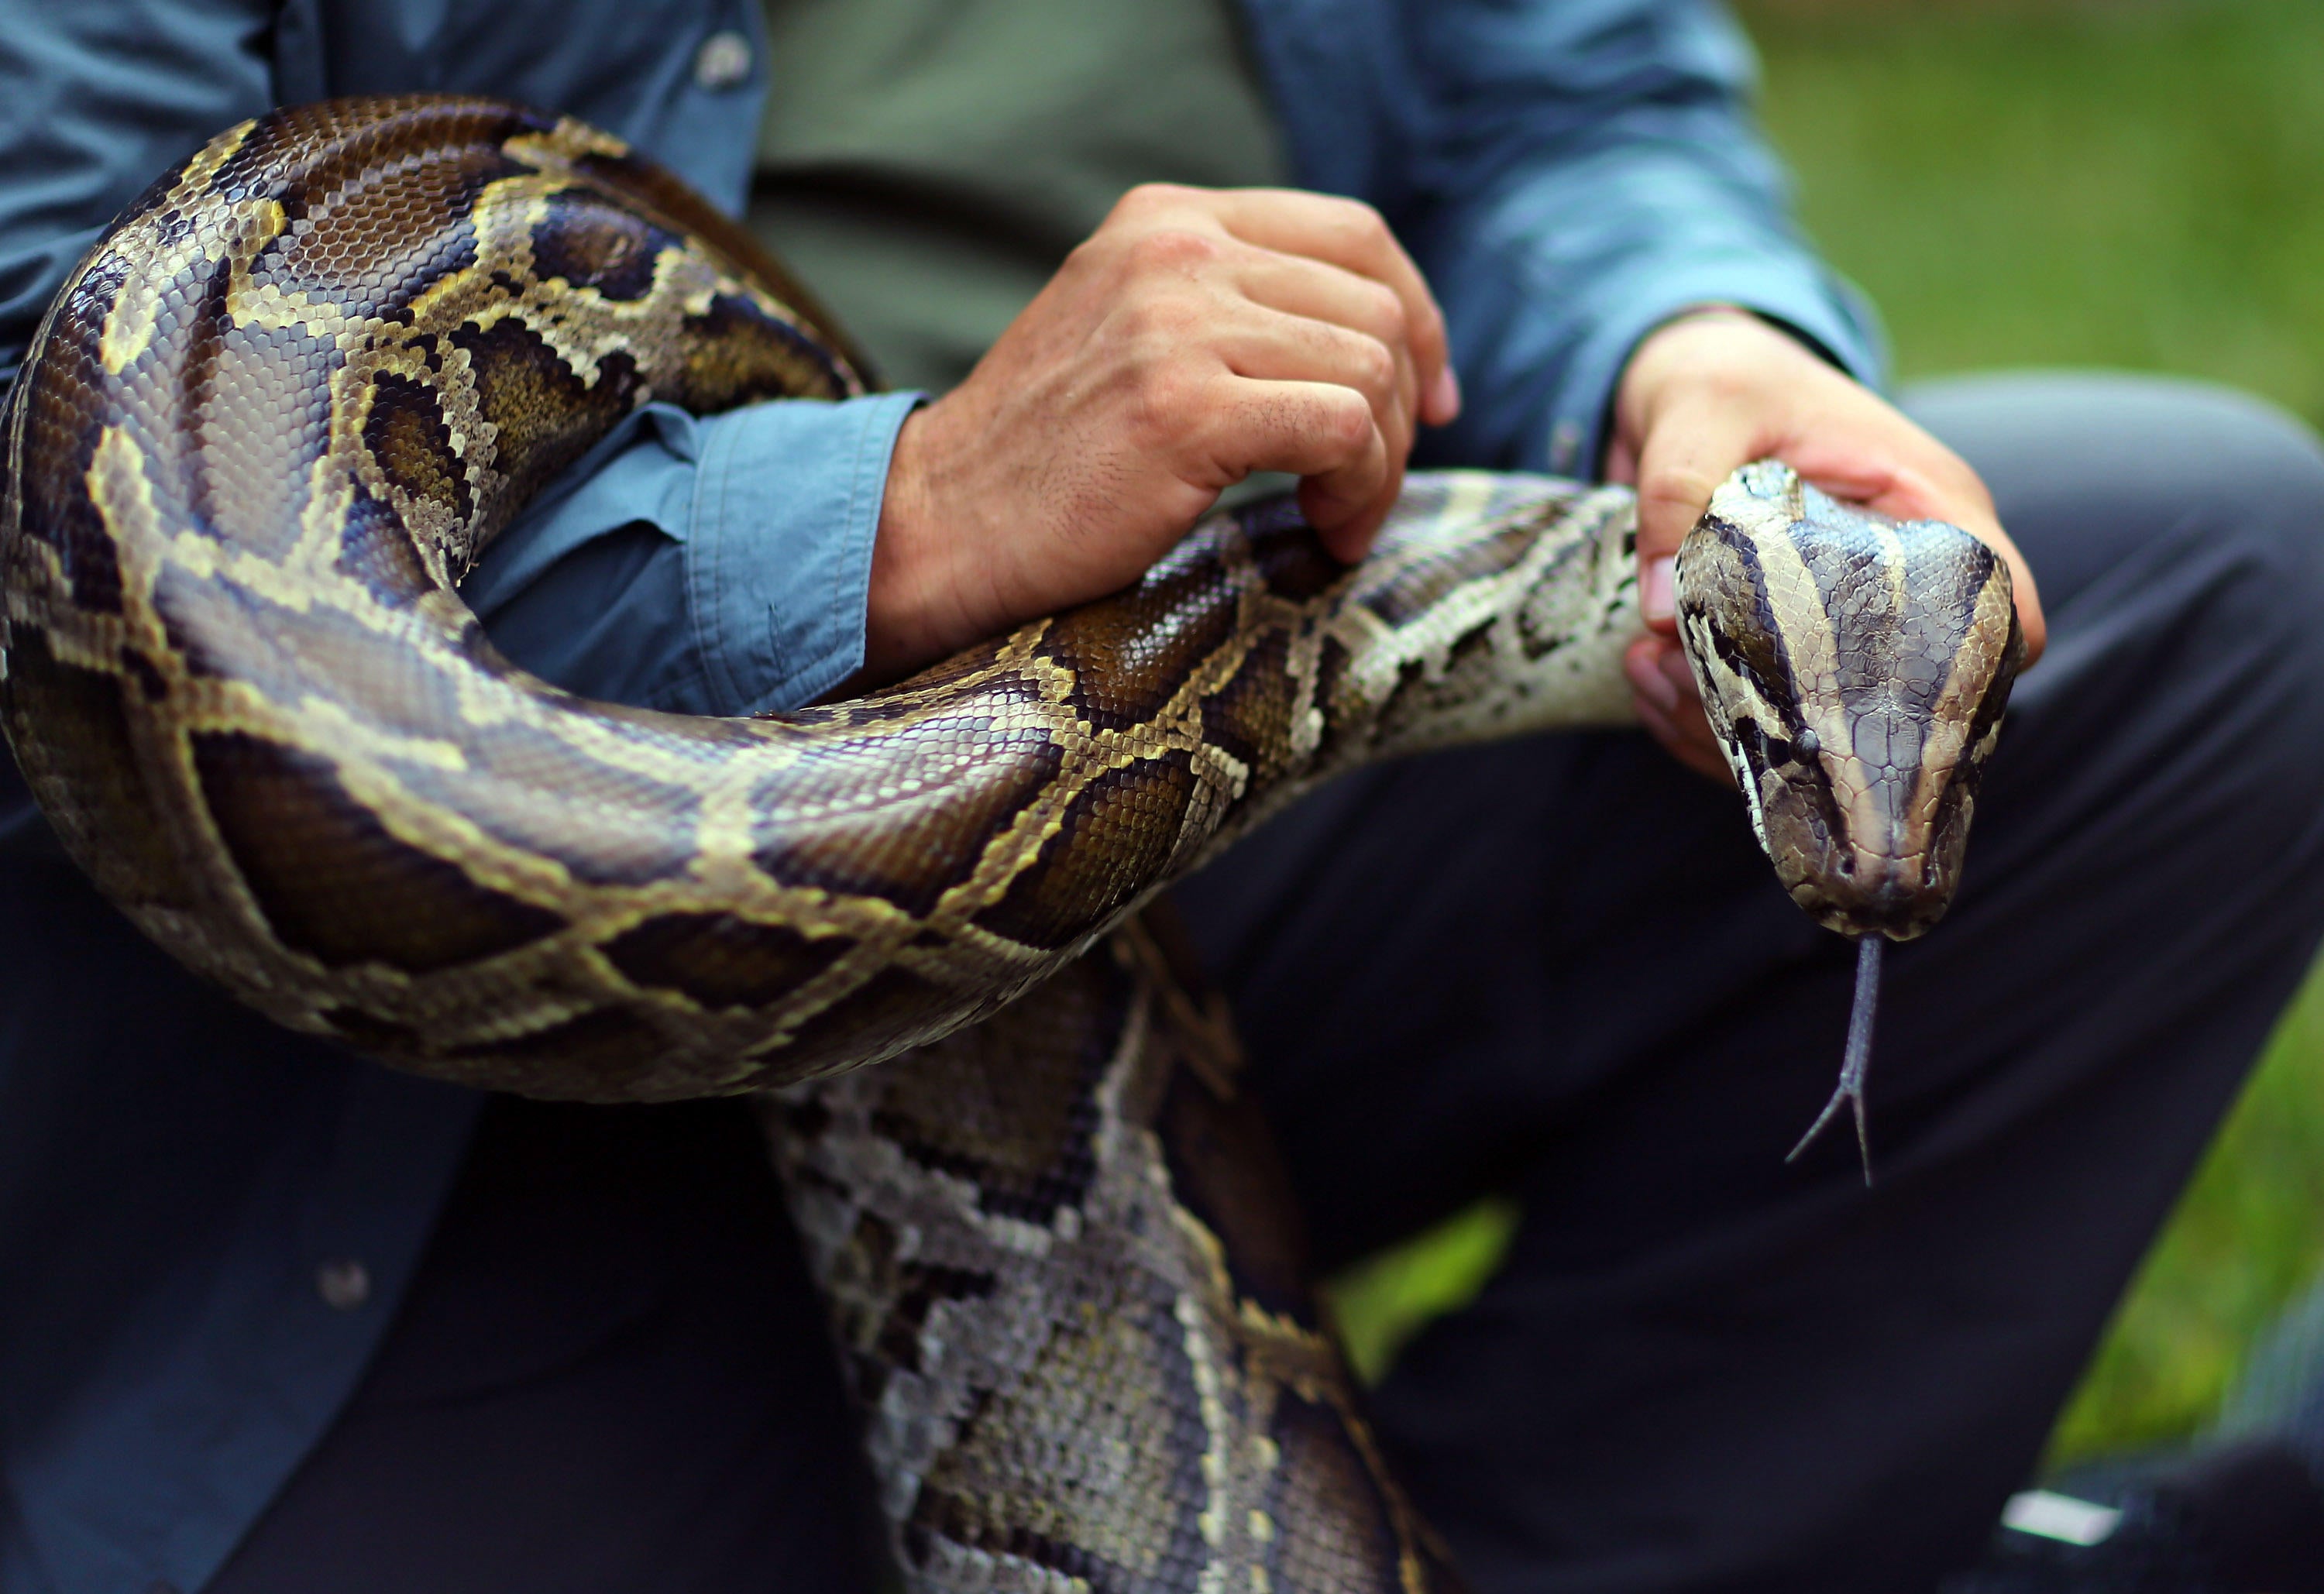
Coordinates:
(2133, 183)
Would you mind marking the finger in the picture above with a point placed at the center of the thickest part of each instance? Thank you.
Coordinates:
(1268, 346)
(1351, 236)
(1347, 506)
(1320, 292)
(1656, 669)
(1314, 430)
(1678, 739)
(1685, 456)
(1642, 667)
(1664, 694)
(1348, 533)
(1621, 460)
(1680, 677)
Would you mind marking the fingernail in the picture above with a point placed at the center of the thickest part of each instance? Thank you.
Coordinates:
(1444, 398)
(1647, 680)
(1654, 588)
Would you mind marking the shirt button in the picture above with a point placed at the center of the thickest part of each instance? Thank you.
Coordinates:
(343, 1284)
(724, 60)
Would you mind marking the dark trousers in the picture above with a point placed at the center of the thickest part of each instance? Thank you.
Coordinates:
(1558, 969)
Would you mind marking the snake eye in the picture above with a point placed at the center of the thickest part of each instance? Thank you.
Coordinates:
(1808, 744)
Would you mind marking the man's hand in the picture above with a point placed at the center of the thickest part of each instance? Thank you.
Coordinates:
(1717, 388)
(1198, 335)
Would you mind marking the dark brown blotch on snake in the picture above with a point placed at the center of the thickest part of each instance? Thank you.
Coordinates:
(309, 377)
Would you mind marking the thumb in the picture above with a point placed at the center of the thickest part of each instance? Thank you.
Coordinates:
(1685, 456)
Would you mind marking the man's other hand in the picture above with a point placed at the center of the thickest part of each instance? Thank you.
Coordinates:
(1197, 336)
(1716, 389)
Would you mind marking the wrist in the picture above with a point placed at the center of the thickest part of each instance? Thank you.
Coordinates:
(1717, 343)
(1680, 341)
(904, 609)
(1718, 313)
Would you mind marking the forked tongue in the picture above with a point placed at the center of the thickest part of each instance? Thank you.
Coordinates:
(1853, 1065)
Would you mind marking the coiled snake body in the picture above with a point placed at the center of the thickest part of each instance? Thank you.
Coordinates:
(279, 409)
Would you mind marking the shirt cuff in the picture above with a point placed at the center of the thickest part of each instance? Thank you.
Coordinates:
(778, 544)
(711, 565)
(1825, 313)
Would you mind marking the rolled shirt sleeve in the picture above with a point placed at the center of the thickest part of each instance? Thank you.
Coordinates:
(716, 565)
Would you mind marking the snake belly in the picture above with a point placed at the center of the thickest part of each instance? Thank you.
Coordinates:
(267, 426)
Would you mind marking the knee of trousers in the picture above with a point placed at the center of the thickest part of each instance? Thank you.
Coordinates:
(2186, 669)
(2085, 467)
(2252, 474)
(2253, 498)
(2251, 495)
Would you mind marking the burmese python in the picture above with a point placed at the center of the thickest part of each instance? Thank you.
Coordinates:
(274, 418)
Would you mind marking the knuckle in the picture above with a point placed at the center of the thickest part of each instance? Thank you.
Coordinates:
(1725, 383)
(1358, 222)
(1344, 419)
(1170, 408)
(1375, 368)
(1431, 334)
(1092, 253)
(1157, 325)
(1173, 250)
(1389, 319)
(1146, 198)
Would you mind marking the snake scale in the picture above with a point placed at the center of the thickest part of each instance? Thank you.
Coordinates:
(283, 406)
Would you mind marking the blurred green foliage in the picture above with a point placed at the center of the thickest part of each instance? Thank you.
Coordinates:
(2136, 183)
(1384, 1300)
(2109, 183)
(2247, 1235)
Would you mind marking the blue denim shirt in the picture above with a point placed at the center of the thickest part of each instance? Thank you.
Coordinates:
(206, 1223)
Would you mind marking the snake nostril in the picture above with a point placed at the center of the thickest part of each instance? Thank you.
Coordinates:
(1847, 864)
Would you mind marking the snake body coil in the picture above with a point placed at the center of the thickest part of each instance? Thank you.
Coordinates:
(281, 408)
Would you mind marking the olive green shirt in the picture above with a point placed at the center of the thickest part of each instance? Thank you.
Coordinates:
(927, 165)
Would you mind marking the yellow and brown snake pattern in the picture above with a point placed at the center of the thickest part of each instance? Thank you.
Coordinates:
(279, 411)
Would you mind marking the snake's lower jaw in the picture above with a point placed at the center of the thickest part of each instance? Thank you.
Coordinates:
(1866, 873)
(1868, 886)
(1879, 897)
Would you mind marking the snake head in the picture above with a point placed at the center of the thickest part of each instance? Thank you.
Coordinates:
(1854, 669)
